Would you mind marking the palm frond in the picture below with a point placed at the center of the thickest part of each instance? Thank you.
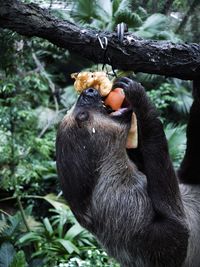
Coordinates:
(119, 6)
(183, 96)
(130, 18)
(152, 26)
(148, 78)
(85, 11)
(3, 226)
(176, 137)
(154, 23)
(115, 5)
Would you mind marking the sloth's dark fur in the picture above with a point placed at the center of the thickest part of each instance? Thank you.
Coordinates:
(131, 200)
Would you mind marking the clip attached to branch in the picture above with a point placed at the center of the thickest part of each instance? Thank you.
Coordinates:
(104, 45)
(103, 42)
(121, 29)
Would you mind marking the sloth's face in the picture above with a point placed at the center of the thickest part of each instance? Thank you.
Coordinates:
(93, 124)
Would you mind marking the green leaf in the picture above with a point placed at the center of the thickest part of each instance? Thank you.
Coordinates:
(3, 226)
(7, 253)
(48, 226)
(29, 237)
(14, 223)
(87, 10)
(130, 18)
(155, 23)
(57, 203)
(176, 141)
(74, 231)
(68, 245)
(121, 5)
(115, 5)
(19, 260)
(155, 27)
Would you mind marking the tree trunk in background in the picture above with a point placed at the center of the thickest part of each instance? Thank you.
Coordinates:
(195, 25)
(194, 4)
(167, 6)
(144, 3)
(154, 6)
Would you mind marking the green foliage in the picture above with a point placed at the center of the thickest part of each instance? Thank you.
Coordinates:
(180, 4)
(57, 238)
(7, 252)
(103, 14)
(172, 94)
(176, 141)
(95, 257)
(3, 226)
(107, 14)
(19, 260)
(88, 13)
(21, 144)
(68, 97)
(156, 26)
(183, 96)
(122, 13)
(163, 96)
(14, 225)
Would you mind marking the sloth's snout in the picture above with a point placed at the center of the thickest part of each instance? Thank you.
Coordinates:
(89, 97)
(90, 92)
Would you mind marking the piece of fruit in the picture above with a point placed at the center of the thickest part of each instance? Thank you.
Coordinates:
(97, 80)
(115, 99)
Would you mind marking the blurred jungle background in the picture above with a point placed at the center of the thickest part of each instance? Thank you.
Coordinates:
(36, 226)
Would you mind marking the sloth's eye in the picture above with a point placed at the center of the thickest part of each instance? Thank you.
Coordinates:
(82, 116)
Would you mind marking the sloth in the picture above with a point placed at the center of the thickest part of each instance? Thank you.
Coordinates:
(132, 200)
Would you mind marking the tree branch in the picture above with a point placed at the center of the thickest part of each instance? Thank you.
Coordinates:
(164, 58)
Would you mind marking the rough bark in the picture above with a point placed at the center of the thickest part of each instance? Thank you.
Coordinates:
(158, 57)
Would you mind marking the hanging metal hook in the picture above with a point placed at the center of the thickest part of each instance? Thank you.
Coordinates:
(103, 42)
(121, 29)
(104, 45)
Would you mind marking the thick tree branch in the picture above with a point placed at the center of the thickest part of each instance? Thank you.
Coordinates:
(165, 58)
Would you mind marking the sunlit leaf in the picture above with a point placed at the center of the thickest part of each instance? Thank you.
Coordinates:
(68, 245)
(74, 231)
(48, 226)
(176, 137)
(57, 203)
(29, 237)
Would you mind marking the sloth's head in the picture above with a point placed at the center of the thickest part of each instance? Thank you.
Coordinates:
(94, 127)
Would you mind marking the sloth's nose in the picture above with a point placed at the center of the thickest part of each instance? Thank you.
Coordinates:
(90, 97)
(90, 92)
